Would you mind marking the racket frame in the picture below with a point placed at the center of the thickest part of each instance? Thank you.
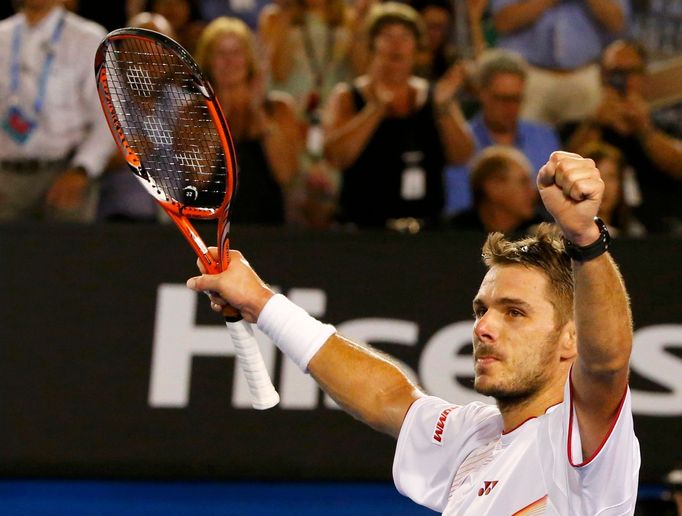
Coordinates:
(178, 212)
(263, 393)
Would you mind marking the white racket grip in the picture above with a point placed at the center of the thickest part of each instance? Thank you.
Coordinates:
(263, 393)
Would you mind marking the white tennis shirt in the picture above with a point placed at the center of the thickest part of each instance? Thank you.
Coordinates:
(71, 118)
(456, 460)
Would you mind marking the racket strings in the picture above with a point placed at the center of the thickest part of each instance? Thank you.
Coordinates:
(167, 122)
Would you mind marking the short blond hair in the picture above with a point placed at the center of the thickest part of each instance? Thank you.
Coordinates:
(542, 250)
(224, 26)
(493, 162)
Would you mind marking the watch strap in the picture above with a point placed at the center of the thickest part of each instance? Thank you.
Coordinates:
(593, 250)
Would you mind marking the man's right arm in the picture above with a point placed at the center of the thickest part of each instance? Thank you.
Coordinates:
(362, 381)
(365, 383)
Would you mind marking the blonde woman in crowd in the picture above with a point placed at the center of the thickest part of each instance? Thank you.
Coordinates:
(264, 126)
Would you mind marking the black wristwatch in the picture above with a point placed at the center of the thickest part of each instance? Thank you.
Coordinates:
(589, 252)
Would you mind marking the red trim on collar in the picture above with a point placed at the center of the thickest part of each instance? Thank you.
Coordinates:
(528, 419)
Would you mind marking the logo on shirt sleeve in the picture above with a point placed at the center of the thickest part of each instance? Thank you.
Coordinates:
(437, 437)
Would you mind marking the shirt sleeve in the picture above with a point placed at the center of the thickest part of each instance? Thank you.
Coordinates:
(434, 440)
(615, 462)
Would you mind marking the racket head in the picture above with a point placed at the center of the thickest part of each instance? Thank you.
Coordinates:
(169, 126)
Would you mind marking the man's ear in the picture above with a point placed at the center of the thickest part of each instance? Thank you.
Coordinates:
(568, 342)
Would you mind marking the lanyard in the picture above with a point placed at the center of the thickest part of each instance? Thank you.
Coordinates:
(318, 68)
(15, 66)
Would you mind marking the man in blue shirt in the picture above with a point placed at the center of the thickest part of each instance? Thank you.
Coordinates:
(501, 80)
(562, 40)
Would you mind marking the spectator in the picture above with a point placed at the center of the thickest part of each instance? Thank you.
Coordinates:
(614, 209)
(389, 133)
(263, 125)
(504, 194)
(623, 120)
(502, 87)
(122, 198)
(308, 45)
(183, 16)
(309, 48)
(562, 41)
(53, 136)
(440, 52)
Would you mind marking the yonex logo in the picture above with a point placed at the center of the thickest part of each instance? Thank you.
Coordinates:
(440, 427)
(487, 487)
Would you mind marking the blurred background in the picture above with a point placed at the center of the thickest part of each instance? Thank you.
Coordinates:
(118, 388)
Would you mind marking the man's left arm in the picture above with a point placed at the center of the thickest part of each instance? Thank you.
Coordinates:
(571, 189)
(609, 14)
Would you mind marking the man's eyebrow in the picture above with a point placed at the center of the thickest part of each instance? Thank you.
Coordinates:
(514, 301)
(505, 301)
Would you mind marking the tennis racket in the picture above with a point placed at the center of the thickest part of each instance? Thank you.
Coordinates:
(170, 128)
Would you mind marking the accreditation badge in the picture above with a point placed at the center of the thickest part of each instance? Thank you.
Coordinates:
(413, 179)
(18, 125)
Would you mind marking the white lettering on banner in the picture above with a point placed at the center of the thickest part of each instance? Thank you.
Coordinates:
(395, 331)
(650, 359)
(440, 364)
(177, 339)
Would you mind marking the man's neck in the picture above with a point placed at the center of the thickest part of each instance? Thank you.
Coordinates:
(35, 15)
(500, 135)
(514, 414)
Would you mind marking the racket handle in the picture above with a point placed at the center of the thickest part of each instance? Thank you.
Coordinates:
(263, 393)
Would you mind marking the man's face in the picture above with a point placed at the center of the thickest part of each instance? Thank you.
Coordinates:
(514, 191)
(514, 336)
(501, 101)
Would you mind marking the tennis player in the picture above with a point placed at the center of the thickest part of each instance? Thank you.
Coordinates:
(552, 338)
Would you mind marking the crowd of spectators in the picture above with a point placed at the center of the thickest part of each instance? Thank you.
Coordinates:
(354, 114)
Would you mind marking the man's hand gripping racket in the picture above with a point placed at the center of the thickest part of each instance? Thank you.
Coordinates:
(170, 128)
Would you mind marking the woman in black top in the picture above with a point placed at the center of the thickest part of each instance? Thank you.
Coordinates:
(263, 126)
(390, 134)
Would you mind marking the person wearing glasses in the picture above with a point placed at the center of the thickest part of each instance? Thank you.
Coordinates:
(623, 119)
(501, 82)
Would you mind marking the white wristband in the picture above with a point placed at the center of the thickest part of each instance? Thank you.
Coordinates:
(293, 330)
